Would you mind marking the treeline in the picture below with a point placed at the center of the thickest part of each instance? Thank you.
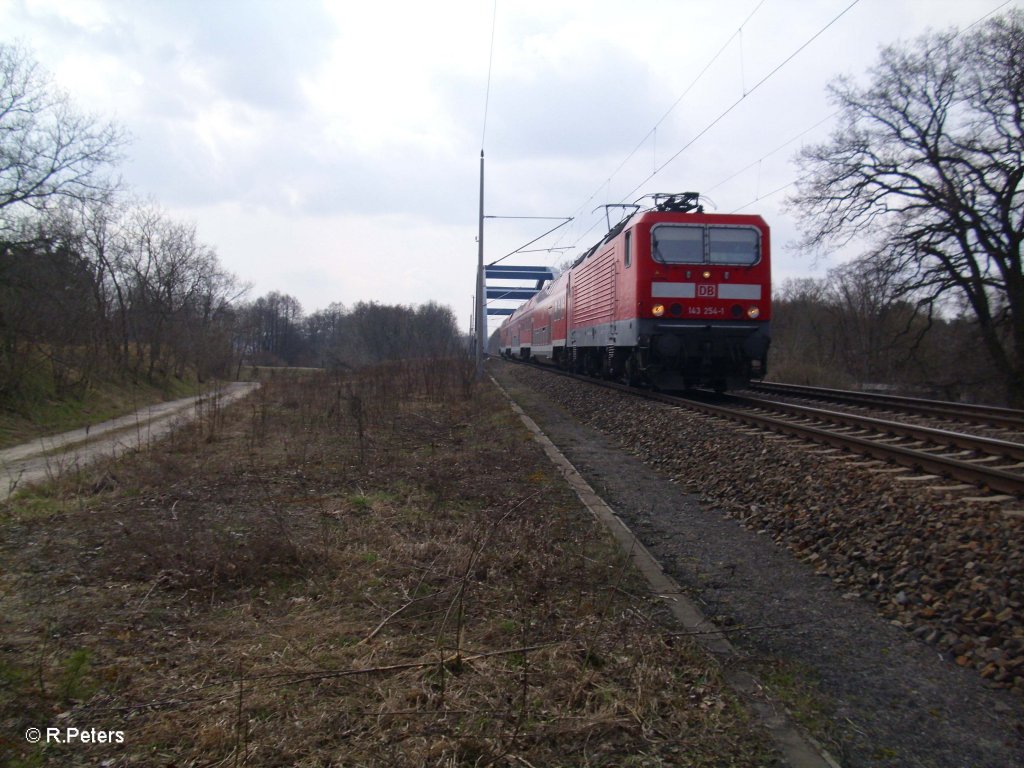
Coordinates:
(94, 289)
(853, 329)
(104, 289)
(272, 330)
(97, 286)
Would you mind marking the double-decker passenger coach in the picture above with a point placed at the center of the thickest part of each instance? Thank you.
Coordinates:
(671, 297)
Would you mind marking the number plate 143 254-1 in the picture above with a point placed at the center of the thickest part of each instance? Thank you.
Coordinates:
(706, 311)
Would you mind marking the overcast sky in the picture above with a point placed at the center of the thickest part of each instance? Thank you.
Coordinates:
(330, 150)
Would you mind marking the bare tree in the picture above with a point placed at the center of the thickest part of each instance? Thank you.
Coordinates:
(98, 226)
(47, 320)
(875, 331)
(804, 345)
(48, 149)
(175, 292)
(928, 162)
(272, 330)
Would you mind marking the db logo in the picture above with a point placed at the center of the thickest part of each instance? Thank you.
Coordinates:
(707, 291)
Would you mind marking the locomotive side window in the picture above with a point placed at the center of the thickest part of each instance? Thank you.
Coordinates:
(733, 245)
(678, 244)
(628, 258)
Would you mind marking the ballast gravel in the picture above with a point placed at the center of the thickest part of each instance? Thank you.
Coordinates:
(899, 609)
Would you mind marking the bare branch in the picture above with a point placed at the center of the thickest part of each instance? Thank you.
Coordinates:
(49, 150)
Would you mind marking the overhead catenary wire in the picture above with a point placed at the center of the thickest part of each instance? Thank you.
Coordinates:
(779, 148)
(682, 96)
(562, 223)
(978, 21)
(738, 101)
(796, 181)
(653, 130)
(724, 113)
(765, 196)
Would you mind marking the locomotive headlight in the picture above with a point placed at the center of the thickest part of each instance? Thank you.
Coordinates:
(706, 274)
(658, 310)
(753, 313)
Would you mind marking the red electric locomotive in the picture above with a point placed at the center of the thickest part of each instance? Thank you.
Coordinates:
(672, 297)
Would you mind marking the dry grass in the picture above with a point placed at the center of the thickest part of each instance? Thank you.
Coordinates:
(370, 571)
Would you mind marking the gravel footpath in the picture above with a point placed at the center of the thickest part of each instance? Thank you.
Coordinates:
(888, 698)
(47, 457)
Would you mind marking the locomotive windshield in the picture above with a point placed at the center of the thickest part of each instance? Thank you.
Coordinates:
(733, 245)
(698, 244)
(678, 245)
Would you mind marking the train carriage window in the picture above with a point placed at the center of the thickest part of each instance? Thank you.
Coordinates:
(678, 244)
(628, 257)
(733, 245)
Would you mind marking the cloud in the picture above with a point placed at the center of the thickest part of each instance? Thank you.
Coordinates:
(213, 96)
(258, 51)
(333, 146)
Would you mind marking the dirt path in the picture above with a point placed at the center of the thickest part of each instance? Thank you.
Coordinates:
(48, 457)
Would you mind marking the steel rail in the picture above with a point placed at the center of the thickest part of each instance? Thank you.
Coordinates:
(1001, 417)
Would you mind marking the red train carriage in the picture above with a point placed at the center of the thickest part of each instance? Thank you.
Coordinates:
(672, 297)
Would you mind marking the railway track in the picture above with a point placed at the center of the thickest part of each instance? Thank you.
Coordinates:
(983, 461)
(1003, 418)
(987, 463)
